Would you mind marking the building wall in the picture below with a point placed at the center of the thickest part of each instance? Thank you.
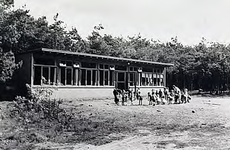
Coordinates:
(72, 93)
(78, 91)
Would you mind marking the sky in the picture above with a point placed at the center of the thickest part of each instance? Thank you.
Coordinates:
(189, 20)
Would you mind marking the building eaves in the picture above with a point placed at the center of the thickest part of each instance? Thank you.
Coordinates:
(100, 56)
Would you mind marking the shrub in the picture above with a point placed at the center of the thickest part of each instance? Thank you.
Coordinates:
(39, 108)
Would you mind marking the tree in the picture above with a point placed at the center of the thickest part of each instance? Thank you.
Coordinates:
(7, 59)
(7, 65)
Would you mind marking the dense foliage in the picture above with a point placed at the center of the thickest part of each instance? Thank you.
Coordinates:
(202, 66)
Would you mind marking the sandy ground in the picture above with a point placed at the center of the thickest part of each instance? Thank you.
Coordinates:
(202, 124)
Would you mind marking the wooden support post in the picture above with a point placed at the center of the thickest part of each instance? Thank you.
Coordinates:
(31, 70)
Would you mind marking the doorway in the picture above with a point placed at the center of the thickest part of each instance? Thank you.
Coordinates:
(121, 80)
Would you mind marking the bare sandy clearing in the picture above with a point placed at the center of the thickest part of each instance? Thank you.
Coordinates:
(202, 124)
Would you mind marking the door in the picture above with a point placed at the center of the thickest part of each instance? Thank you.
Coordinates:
(121, 81)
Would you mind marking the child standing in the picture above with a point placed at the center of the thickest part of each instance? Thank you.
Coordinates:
(139, 97)
(150, 98)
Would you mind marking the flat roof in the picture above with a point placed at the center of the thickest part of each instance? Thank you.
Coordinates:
(99, 56)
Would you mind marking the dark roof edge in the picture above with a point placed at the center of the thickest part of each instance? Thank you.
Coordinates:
(99, 56)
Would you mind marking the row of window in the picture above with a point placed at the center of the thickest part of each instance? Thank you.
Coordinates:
(150, 79)
(88, 74)
(71, 76)
(72, 64)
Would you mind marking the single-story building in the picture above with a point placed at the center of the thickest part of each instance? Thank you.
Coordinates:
(81, 75)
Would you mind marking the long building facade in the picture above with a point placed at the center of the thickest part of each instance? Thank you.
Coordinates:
(81, 75)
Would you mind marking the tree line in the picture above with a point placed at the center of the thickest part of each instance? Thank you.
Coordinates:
(201, 66)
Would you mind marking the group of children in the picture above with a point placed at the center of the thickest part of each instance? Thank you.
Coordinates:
(155, 97)
(127, 95)
(175, 96)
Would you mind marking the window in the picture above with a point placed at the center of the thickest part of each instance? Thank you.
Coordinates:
(69, 73)
(120, 68)
(44, 71)
(83, 77)
(101, 74)
(155, 81)
(43, 61)
(111, 80)
(147, 79)
(121, 76)
(147, 70)
(88, 65)
(158, 81)
(69, 63)
(44, 75)
(69, 76)
(132, 78)
(106, 75)
(88, 77)
(152, 77)
(37, 75)
(53, 75)
(94, 80)
(63, 76)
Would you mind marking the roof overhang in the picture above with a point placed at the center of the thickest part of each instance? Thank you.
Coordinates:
(46, 50)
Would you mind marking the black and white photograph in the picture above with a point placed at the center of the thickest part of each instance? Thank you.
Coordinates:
(114, 75)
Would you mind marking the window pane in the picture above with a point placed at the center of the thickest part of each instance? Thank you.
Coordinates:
(52, 76)
(88, 77)
(121, 76)
(158, 81)
(68, 76)
(131, 68)
(43, 61)
(45, 75)
(147, 79)
(120, 67)
(37, 75)
(106, 66)
(143, 80)
(106, 78)
(62, 76)
(131, 79)
(161, 82)
(101, 77)
(69, 63)
(83, 73)
(101, 66)
(111, 80)
(155, 81)
(75, 77)
(88, 65)
(94, 77)
(147, 70)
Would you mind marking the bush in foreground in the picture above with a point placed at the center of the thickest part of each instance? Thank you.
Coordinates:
(40, 118)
